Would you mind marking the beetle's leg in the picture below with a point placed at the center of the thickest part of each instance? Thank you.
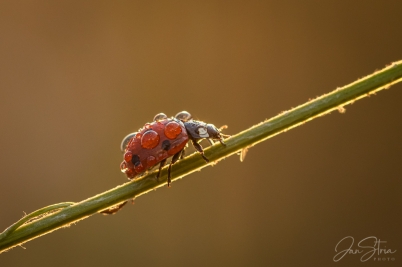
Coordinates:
(198, 147)
(183, 152)
(163, 162)
(210, 141)
(173, 161)
(114, 209)
(221, 141)
(221, 135)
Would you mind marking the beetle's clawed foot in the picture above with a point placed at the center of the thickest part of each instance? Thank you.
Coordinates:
(205, 158)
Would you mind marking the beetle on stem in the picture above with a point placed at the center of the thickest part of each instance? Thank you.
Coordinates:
(161, 139)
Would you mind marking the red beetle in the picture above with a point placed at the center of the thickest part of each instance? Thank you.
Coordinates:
(163, 138)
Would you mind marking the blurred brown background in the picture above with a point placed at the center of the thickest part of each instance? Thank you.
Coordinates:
(77, 76)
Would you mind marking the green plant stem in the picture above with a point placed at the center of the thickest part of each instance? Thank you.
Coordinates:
(335, 100)
(33, 215)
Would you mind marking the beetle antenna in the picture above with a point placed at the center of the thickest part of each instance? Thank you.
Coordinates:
(223, 127)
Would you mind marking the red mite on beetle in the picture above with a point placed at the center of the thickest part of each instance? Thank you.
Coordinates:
(161, 139)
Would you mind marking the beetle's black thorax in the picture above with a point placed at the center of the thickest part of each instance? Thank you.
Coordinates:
(198, 130)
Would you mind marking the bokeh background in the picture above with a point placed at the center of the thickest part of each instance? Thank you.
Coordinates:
(77, 76)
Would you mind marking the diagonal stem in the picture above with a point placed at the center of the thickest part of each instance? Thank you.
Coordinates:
(322, 105)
